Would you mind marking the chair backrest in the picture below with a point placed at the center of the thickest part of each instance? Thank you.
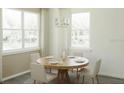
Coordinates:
(34, 57)
(97, 67)
(38, 72)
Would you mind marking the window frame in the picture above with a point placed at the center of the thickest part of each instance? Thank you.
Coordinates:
(80, 48)
(23, 48)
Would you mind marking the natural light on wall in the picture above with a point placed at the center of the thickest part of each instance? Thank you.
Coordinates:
(20, 29)
(80, 30)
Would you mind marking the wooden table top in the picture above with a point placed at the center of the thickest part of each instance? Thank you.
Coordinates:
(69, 63)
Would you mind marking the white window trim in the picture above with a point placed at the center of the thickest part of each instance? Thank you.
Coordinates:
(18, 51)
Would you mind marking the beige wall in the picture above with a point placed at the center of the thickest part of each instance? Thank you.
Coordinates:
(44, 39)
(17, 63)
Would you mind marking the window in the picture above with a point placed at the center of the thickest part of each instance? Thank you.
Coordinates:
(20, 29)
(80, 30)
(11, 29)
(31, 30)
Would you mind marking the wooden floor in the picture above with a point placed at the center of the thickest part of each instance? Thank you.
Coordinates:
(26, 79)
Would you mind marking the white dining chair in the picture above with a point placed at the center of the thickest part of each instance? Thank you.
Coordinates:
(92, 73)
(38, 73)
(34, 57)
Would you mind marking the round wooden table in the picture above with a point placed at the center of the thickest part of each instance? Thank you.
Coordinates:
(64, 65)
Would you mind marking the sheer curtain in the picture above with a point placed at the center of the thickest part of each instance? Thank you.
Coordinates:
(58, 35)
(44, 36)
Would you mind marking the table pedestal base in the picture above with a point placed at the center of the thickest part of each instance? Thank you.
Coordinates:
(63, 76)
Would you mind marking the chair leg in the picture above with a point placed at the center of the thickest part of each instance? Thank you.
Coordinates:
(78, 78)
(97, 79)
(93, 80)
(72, 70)
(83, 79)
(50, 70)
(34, 81)
(78, 75)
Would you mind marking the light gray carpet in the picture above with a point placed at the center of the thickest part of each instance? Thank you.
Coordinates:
(26, 79)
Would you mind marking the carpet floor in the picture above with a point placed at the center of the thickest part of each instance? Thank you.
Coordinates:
(26, 79)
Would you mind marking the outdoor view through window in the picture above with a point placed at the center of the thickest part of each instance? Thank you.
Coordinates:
(80, 30)
(20, 29)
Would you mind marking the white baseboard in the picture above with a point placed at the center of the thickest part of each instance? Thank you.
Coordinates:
(15, 75)
(111, 76)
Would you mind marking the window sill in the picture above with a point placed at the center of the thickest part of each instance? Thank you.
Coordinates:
(19, 51)
(83, 49)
